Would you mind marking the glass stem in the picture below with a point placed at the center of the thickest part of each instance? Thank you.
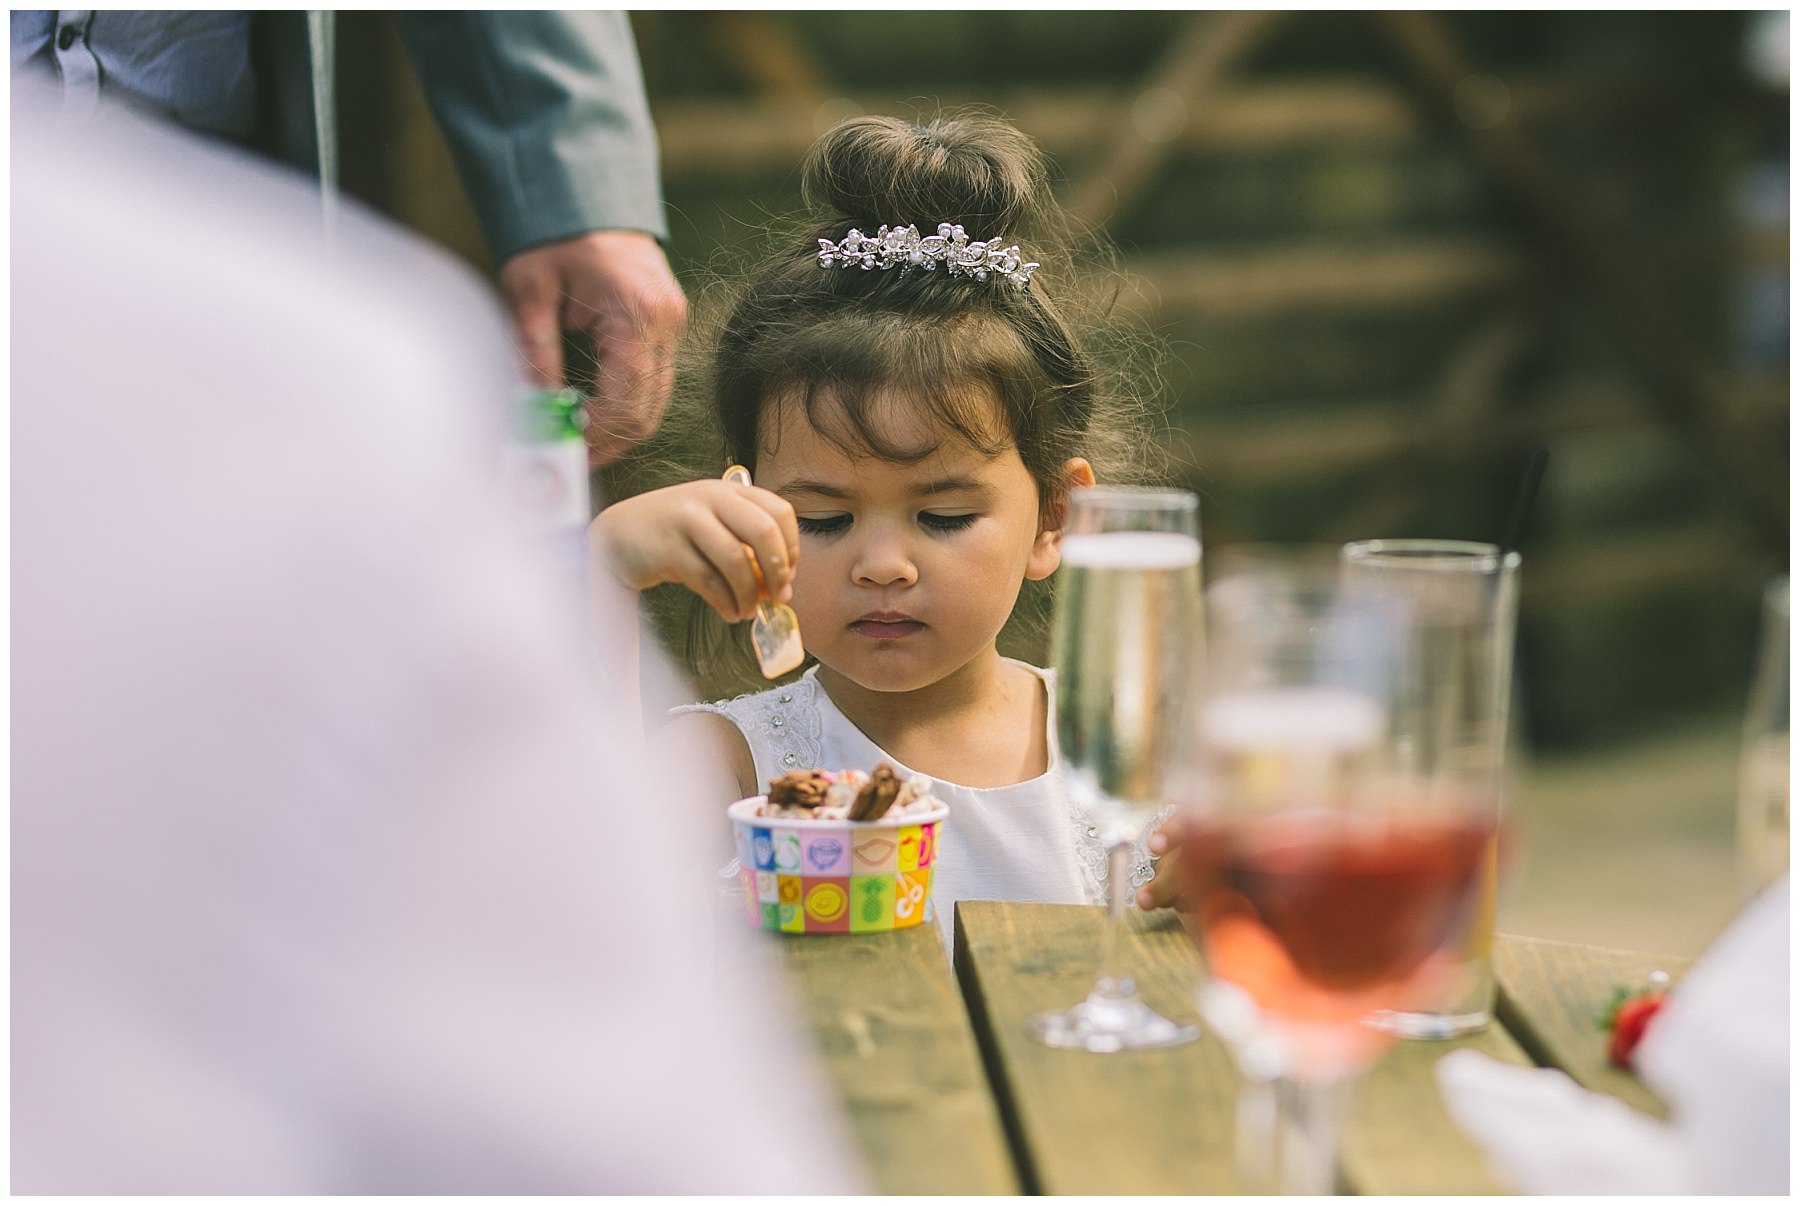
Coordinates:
(1257, 1146)
(1114, 982)
(1309, 1121)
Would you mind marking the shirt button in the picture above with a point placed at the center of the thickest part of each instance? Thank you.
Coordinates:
(68, 36)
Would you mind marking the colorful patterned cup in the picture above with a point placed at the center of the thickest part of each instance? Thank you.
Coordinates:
(835, 877)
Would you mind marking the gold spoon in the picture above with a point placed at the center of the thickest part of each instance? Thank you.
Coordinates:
(775, 629)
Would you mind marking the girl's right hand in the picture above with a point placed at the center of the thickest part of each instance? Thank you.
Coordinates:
(695, 534)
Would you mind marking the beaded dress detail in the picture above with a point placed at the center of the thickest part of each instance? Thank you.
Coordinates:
(781, 725)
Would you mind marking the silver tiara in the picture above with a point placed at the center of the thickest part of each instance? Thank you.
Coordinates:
(901, 247)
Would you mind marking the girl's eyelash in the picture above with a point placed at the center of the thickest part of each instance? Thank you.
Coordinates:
(831, 524)
(946, 523)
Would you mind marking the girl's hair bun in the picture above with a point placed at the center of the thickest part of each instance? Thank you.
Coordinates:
(973, 170)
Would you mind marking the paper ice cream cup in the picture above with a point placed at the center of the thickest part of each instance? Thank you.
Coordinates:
(835, 877)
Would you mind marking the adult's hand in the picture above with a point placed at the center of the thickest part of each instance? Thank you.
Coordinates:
(616, 285)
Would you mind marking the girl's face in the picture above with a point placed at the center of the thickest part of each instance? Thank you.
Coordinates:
(907, 571)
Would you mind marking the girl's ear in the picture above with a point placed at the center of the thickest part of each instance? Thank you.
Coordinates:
(1046, 550)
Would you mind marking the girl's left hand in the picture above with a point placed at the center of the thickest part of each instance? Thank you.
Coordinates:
(1163, 891)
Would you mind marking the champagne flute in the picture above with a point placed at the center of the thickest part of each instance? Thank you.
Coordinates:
(1127, 625)
(1763, 769)
(1325, 878)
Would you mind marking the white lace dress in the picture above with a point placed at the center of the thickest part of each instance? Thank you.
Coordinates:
(1019, 842)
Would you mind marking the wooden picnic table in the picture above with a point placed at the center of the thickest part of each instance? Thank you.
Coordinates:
(948, 1094)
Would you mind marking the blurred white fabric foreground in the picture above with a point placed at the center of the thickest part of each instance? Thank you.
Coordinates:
(1717, 1053)
(329, 874)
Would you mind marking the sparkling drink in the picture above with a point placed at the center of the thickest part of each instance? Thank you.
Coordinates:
(1763, 771)
(1127, 621)
(1763, 809)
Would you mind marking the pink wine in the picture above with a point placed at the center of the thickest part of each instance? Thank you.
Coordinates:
(1322, 917)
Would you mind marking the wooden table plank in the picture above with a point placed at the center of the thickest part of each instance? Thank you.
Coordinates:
(1162, 1121)
(893, 1035)
(907, 1062)
(1137, 1122)
(1399, 1138)
(1552, 995)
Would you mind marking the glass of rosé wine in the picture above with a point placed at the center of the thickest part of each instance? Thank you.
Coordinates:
(1325, 879)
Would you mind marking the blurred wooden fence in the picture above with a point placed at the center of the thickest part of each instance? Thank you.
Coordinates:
(1389, 253)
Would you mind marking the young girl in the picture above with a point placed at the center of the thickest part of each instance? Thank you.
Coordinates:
(914, 414)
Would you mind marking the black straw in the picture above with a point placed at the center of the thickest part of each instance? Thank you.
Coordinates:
(1533, 477)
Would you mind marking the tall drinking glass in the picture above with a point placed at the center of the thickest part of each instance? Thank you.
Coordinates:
(1450, 723)
(1326, 879)
(1763, 775)
(1127, 626)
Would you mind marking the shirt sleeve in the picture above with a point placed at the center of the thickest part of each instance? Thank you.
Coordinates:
(547, 120)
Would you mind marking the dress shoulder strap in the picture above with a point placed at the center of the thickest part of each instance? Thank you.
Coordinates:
(781, 725)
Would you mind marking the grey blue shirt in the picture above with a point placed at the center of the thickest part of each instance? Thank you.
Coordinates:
(545, 112)
(191, 66)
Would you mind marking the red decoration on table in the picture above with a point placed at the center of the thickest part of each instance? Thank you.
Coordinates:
(1628, 1015)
